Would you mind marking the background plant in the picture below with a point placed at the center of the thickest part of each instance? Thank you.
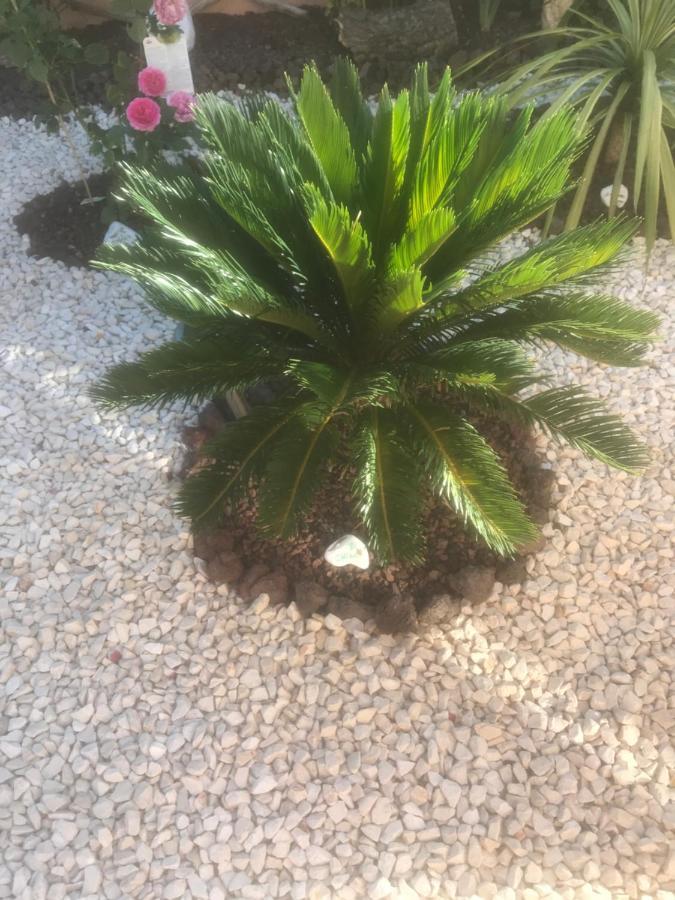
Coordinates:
(619, 72)
(550, 12)
(487, 12)
(32, 39)
(353, 255)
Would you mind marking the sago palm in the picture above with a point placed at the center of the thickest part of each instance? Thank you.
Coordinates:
(352, 253)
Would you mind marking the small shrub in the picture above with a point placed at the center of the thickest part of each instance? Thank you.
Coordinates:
(351, 253)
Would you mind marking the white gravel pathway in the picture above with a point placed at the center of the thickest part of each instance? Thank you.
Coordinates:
(159, 741)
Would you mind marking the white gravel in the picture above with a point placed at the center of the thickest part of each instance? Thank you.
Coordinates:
(157, 740)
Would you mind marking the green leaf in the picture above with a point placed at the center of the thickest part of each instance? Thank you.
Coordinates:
(584, 423)
(191, 370)
(574, 214)
(347, 246)
(345, 91)
(488, 361)
(37, 68)
(568, 413)
(668, 176)
(421, 240)
(296, 469)
(600, 327)
(384, 171)
(387, 488)
(17, 52)
(463, 469)
(567, 258)
(137, 30)
(328, 135)
(447, 153)
(240, 453)
(648, 160)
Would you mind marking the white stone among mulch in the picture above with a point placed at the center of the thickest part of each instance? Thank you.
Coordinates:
(157, 740)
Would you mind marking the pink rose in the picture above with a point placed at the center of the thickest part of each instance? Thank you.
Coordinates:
(183, 102)
(144, 114)
(151, 81)
(169, 12)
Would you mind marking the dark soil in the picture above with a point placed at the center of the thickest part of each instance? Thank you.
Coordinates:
(255, 50)
(63, 224)
(450, 549)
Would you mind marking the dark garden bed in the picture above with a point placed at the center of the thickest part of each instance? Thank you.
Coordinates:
(457, 570)
(63, 224)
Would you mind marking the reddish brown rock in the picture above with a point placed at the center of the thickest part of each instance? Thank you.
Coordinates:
(475, 583)
(252, 575)
(210, 543)
(441, 609)
(274, 584)
(212, 419)
(512, 571)
(225, 568)
(396, 614)
(310, 596)
(534, 546)
(346, 608)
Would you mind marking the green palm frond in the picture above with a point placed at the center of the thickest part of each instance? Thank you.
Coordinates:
(388, 487)
(299, 462)
(569, 414)
(602, 328)
(463, 469)
(328, 134)
(239, 453)
(352, 257)
(190, 370)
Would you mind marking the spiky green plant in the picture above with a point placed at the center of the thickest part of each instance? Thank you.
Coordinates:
(620, 74)
(353, 254)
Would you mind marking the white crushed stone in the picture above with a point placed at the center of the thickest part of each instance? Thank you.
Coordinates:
(158, 740)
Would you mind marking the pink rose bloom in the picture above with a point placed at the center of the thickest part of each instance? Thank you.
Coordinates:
(183, 102)
(151, 81)
(144, 114)
(169, 12)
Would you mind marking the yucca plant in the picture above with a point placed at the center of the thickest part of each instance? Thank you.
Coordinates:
(620, 74)
(351, 254)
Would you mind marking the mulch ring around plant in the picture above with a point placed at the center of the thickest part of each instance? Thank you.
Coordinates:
(400, 598)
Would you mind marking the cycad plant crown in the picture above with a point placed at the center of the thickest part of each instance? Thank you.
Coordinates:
(352, 253)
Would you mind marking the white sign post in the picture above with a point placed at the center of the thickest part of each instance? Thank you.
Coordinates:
(173, 57)
(173, 60)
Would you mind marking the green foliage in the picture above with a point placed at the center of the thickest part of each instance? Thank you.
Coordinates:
(32, 39)
(618, 70)
(350, 255)
(487, 13)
